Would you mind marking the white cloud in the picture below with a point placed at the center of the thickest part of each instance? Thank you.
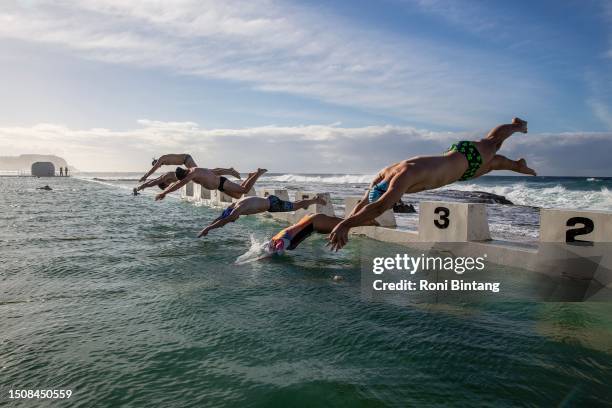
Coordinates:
(281, 48)
(602, 112)
(309, 149)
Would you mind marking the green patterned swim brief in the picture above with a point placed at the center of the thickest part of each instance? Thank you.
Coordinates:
(471, 153)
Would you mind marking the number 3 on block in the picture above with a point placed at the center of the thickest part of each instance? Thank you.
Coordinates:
(443, 221)
(452, 222)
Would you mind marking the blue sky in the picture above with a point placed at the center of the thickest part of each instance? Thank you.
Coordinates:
(352, 85)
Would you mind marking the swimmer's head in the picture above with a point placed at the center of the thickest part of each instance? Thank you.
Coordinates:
(154, 162)
(162, 186)
(181, 173)
(278, 246)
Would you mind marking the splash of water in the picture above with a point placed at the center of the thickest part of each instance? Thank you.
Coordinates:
(257, 251)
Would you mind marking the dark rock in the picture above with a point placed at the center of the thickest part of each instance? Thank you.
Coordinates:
(403, 208)
(491, 198)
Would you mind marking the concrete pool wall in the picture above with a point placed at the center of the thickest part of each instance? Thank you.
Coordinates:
(573, 244)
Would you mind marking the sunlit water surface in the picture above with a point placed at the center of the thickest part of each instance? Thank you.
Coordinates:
(111, 296)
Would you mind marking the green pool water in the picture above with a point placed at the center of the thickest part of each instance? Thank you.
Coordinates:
(112, 296)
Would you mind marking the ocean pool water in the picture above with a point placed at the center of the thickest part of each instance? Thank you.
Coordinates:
(112, 296)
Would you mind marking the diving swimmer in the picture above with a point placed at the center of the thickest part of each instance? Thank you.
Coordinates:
(289, 238)
(176, 160)
(166, 179)
(170, 160)
(211, 181)
(464, 160)
(256, 205)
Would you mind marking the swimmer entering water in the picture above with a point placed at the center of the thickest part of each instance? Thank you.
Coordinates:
(211, 181)
(464, 160)
(166, 179)
(256, 205)
(177, 160)
(289, 238)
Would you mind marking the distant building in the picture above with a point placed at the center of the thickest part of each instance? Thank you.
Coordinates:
(43, 169)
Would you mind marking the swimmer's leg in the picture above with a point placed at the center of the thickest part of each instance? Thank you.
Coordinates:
(500, 133)
(500, 162)
(300, 204)
(221, 222)
(189, 162)
(220, 171)
(236, 191)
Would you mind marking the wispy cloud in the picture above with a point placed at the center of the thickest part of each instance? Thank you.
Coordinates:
(465, 14)
(310, 149)
(285, 48)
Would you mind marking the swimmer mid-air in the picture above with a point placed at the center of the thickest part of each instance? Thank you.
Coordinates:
(256, 205)
(177, 160)
(166, 179)
(462, 161)
(211, 181)
(289, 238)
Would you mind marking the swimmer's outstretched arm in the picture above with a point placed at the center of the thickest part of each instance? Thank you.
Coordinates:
(339, 236)
(365, 199)
(175, 186)
(219, 223)
(150, 183)
(220, 171)
(156, 166)
(362, 203)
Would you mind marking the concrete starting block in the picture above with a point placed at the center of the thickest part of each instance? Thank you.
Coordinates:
(280, 193)
(327, 209)
(387, 219)
(219, 198)
(251, 193)
(575, 227)
(577, 244)
(187, 190)
(453, 222)
(196, 193)
(204, 193)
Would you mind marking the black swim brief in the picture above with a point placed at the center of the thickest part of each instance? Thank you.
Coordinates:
(278, 205)
(222, 181)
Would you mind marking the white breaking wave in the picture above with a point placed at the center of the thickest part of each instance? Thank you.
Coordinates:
(335, 179)
(555, 196)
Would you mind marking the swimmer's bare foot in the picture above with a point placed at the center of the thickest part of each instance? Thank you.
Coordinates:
(522, 168)
(320, 200)
(234, 173)
(521, 124)
(261, 171)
